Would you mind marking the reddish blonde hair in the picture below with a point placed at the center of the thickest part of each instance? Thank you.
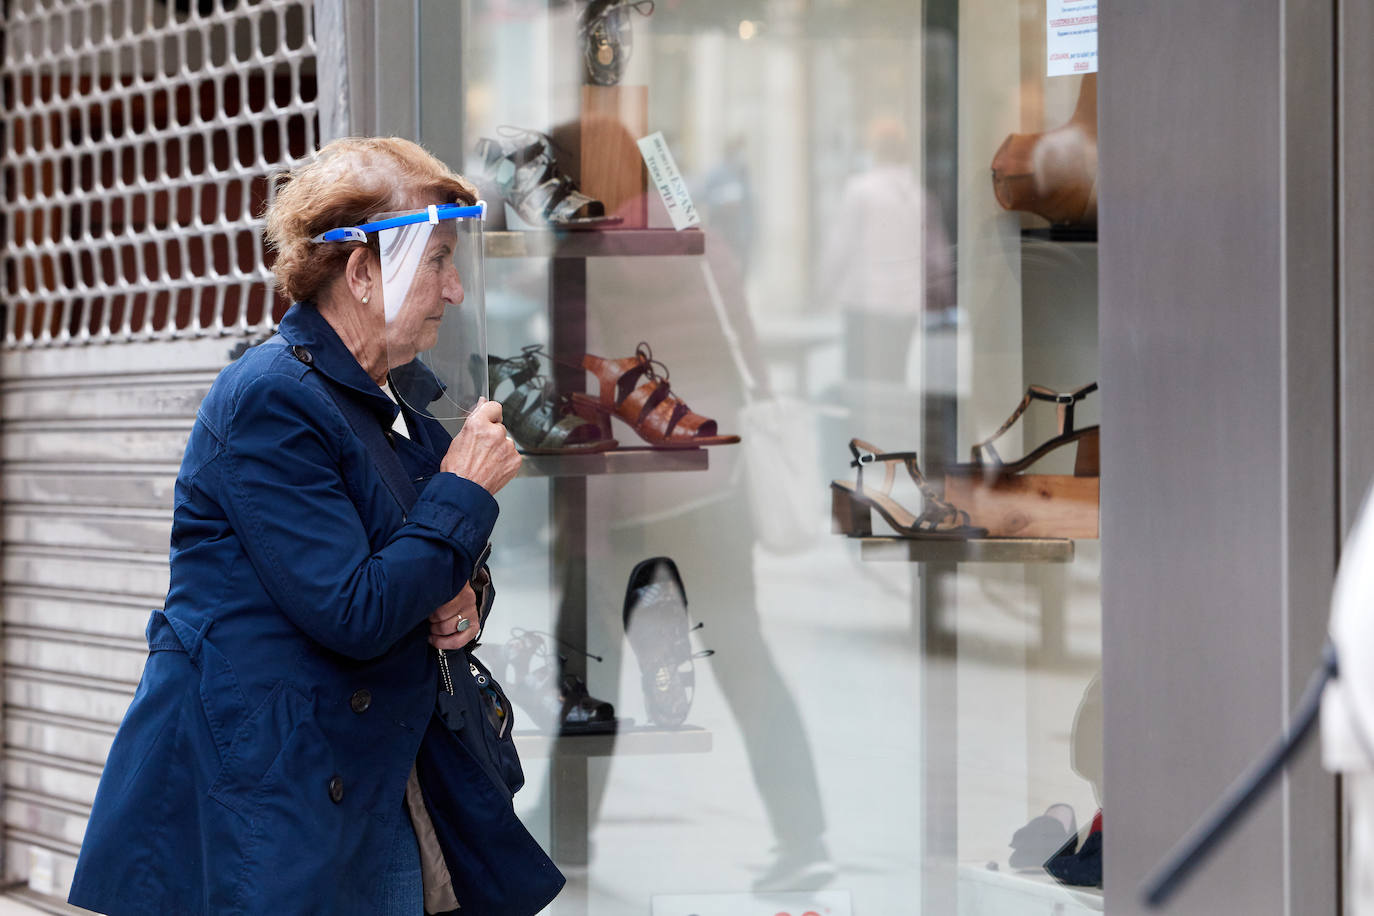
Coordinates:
(347, 182)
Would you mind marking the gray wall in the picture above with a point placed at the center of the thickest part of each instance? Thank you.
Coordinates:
(1218, 334)
(1356, 185)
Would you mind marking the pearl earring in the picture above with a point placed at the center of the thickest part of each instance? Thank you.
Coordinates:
(364, 300)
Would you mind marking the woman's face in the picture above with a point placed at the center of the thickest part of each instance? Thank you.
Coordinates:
(435, 288)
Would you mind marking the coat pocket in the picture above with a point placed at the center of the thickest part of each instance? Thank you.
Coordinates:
(220, 694)
(281, 725)
(288, 832)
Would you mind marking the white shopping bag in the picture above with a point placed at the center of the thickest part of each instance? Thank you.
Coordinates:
(782, 464)
(781, 452)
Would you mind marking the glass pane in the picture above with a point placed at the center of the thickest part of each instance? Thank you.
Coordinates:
(868, 680)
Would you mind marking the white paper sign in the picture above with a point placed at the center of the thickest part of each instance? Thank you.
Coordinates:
(42, 870)
(802, 903)
(658, 159)
(1071, 36)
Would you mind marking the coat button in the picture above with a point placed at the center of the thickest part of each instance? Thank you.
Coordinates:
(302, 354)
(360, 701)
(336, 789)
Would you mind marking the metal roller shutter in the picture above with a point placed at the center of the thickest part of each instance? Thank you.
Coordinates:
(138, 140)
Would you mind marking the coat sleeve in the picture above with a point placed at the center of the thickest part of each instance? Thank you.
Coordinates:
(290, 504)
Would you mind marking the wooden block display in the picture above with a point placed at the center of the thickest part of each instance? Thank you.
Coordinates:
(1029, 505)
(612, 171)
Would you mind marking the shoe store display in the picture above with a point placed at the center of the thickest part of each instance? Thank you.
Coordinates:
(1010, 500)
(636, 391)
(555, 699)
(852, 504)
(607, 37)
(1053, 174)
(541, 421)
(521, 167)
(656, 624)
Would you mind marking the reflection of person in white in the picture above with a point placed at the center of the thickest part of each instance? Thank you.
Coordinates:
(885, 227)
(1347, 716)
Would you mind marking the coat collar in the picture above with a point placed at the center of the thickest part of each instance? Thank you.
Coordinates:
(304, 326)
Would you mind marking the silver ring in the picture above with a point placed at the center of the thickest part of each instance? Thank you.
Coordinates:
(463, 624)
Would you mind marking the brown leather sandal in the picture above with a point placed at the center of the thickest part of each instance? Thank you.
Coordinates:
(636, 390)
(1017, 499)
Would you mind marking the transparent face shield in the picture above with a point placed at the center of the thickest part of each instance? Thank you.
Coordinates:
(433, 303)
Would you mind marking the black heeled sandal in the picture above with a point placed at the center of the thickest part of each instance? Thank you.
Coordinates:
(1086, 462)
(555, 699)
(541, 421)
(852, 504)
(520, 165)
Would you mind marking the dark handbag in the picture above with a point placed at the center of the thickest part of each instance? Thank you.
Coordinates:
(469, 771)
(468, 713)
(468, 768)
(475, 708)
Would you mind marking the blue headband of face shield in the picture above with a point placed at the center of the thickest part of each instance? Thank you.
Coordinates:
(431, 214)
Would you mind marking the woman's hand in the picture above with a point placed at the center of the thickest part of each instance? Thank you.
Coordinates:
(445, 623)
(482, 452)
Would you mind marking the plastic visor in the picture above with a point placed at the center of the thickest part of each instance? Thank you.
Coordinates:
(433, 298)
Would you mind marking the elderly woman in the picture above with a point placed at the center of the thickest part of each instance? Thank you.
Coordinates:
(268, 761)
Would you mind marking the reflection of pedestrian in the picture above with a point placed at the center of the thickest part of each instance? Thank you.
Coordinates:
(886, 259)
(702, 520)
(727, 202)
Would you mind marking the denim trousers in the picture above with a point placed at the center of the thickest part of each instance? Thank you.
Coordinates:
(401, 892)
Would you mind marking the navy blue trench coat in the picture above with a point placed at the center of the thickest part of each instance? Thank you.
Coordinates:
(262, 765)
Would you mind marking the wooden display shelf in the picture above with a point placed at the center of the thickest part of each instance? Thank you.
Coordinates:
(616, 461)
(1063, 234)
(595, 243)
(975, 550)
(633, 741)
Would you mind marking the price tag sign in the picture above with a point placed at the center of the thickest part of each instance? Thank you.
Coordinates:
(658, 159)
(1071, 36)
(801, 903)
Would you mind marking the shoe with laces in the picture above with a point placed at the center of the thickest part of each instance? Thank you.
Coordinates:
(555, 699)
(657, 627)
